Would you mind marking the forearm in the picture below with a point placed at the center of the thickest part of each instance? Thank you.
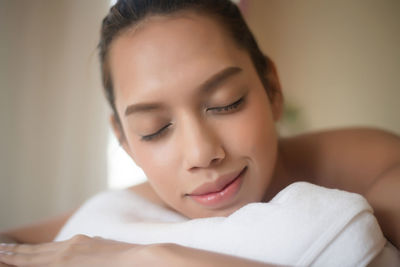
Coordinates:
(176, 255)
(384, 197)
(201, 258)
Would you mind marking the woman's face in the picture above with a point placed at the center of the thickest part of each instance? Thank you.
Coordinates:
(195, 115)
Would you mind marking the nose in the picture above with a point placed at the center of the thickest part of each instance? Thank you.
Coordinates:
(201, 146)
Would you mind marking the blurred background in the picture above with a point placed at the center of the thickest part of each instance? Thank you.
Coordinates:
(338, 61)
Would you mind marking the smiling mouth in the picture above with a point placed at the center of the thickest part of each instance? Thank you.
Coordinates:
(217, 194)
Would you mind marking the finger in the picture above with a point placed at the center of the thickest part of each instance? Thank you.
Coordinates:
(31, 248)
(22, 259)
(43, 247)
(4, 247)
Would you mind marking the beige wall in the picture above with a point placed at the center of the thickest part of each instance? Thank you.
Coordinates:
(339, 61)
(52, 113)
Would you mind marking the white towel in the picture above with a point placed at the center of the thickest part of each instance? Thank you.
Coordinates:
(303, 225)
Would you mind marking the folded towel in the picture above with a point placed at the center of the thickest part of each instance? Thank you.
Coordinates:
(303, 225)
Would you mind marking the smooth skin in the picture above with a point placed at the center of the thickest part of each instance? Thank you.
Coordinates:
(188, 132)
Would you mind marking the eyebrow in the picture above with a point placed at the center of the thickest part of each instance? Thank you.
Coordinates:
(210, 84)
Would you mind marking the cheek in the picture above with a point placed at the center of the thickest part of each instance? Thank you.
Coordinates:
(160, 166)
(252, 133)
(151, 156)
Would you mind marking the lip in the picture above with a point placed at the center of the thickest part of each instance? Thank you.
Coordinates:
(224, 188)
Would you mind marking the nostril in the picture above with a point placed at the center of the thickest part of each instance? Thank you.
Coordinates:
(215, 161)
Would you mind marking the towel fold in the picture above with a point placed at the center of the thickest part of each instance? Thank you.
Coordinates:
(303, 225)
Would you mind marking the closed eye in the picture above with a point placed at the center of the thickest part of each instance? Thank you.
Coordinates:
(219, 110)
(156, 134)
(226, 109)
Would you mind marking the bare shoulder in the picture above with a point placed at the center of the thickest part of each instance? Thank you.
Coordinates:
(349, 159)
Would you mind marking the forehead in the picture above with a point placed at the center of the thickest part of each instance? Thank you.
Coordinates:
(168, 52)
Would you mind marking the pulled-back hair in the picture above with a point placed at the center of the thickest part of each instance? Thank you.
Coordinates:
(129, 13)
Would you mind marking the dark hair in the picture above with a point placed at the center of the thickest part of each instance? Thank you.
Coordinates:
(128, 13)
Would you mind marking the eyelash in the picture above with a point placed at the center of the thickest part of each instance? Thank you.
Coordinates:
(227, 108)
(156, 134)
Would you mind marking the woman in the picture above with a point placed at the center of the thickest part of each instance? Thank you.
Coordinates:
(195, 104)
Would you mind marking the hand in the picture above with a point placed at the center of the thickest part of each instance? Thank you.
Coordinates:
(80, 250)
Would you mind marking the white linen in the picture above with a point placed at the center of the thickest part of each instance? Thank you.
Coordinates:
(303, 225)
